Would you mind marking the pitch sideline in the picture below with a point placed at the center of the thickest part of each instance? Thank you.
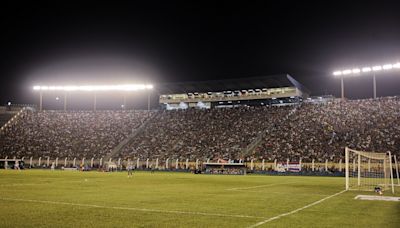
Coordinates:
(130, 208)
(295, 211)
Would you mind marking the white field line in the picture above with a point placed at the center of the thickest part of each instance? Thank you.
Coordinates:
(130, 208)
(259, 186)
(281, 193)
(12, 185)
(295, 211)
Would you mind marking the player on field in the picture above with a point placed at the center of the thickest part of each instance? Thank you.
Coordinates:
(129, 168)
(16, 165)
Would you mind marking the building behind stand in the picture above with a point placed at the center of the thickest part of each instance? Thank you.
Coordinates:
(272, 90)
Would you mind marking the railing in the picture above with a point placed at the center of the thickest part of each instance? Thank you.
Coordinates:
(168, 164)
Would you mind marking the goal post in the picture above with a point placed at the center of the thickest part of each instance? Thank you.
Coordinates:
(367, 170)
(396, 165)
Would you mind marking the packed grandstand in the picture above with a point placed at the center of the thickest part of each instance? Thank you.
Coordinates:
(304, 131)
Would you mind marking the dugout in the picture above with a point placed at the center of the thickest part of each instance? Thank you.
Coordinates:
(225, 168)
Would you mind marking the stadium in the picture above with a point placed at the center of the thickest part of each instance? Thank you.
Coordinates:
(254, 150)
(267, 130)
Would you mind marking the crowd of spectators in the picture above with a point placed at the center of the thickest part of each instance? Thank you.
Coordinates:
(68, 134)
(322, 131)
(203, 134)
(307, 131)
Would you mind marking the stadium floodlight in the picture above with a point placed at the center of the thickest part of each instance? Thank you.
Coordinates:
(396, 65)
(366, 69)
(346, 72)
(377, 68)
(355, 71)
(95, 88)
(337, 73)
(92, 88)
(387, 66)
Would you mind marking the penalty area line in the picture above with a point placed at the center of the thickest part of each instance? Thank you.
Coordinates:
(295, 211)
(259, 186)
(130, 208)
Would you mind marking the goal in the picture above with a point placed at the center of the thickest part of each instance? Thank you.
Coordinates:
(367, 170)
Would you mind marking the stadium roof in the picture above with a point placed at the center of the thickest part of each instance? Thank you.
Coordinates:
(260, 82)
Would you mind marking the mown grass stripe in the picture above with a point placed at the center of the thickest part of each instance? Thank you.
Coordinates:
(130, 208)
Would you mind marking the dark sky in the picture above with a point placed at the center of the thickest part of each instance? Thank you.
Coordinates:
(167, 42)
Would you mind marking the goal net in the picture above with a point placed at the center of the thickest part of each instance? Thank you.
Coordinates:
(367, 170)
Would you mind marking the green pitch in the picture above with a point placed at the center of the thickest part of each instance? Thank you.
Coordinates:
(93, 199)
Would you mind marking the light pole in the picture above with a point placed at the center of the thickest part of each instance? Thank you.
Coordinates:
(374, 82)
(124, 101)
(342, 86)
(95, 102)
(148, 100)
(65, 101)
(41, 101)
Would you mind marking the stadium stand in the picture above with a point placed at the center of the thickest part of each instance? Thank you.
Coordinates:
(321, 131)
(68, 134)
(307, 131)
(7, 112)
(5, 117)
(202, 134)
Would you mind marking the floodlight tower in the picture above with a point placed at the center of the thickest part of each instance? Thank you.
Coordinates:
(94, 101)
(148, 101)
(65, 101)
(365, 70)
(41, 101)
(94, 89)
(124, 104)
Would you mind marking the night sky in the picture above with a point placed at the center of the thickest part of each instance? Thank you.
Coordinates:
(118, 41)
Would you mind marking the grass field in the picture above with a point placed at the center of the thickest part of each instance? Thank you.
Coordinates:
(41, 198)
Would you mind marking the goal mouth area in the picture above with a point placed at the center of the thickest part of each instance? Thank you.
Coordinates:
(377, 198)
(369, 188)
(367, 170)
